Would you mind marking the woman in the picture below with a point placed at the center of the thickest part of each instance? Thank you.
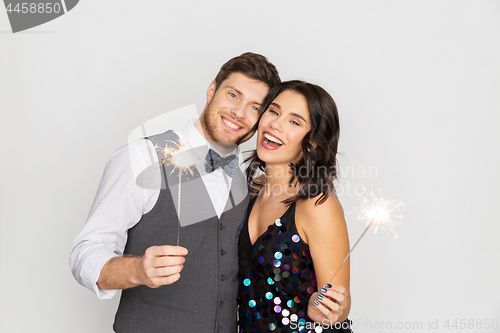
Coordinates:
(295, 236)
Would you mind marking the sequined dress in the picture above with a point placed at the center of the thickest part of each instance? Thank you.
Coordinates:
(276, 277)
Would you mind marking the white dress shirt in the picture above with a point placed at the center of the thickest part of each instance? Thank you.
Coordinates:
(120, 203)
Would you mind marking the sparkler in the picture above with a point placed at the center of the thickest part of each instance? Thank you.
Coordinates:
(379, 212)
(182, 159)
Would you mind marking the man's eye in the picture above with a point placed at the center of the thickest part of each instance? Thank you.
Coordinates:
(255, 108)
(232, 95)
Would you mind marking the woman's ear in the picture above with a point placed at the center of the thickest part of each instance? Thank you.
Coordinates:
(211, 91)
(312, 143)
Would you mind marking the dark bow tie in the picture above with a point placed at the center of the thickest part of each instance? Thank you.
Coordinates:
(214, 161)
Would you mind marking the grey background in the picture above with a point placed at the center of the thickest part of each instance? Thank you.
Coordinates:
(417, 85)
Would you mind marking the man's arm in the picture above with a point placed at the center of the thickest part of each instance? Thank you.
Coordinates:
(160, 265)
(95, 258)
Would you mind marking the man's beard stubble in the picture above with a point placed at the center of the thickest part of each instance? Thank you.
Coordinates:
(209, 126)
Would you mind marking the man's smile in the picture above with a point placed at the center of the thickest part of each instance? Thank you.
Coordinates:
(231, 124)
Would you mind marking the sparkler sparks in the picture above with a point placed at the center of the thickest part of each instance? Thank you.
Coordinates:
(178, 156)
(379, 212)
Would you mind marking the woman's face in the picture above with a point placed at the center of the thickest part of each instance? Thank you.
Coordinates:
(282, 128)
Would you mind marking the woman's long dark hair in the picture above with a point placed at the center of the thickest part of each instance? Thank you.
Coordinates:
(317, 170)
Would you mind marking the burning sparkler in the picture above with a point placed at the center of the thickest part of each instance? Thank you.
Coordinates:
(379, 212)
(182, 159)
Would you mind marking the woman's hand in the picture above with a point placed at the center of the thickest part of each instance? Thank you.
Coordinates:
(329, 303)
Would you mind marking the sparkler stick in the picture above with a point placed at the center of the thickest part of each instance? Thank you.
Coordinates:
(379, 211)
(182, 159)
(360, 237)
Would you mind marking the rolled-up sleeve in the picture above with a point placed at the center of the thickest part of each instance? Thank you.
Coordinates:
(119, 204)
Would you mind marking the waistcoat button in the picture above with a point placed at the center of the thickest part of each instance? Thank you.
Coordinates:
(222, 252)
(222, 277)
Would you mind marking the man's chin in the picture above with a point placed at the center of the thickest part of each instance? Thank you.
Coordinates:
(229, 141)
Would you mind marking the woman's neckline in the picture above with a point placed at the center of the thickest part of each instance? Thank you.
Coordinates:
(267, 229)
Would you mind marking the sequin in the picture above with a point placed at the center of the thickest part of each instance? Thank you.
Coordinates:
(318, 329)
(278, 275)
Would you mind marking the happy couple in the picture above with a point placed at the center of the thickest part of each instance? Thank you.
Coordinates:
(266, 259)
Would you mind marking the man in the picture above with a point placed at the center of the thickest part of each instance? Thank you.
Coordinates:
(168, 288)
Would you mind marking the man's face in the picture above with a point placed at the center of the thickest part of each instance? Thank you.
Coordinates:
(233, 109)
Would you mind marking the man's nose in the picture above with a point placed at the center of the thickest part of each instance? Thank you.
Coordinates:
(239, 111)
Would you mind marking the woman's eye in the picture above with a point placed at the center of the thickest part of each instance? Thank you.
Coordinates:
(273, 112)
(294, 122)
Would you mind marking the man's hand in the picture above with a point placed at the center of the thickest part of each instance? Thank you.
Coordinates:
(161, 265)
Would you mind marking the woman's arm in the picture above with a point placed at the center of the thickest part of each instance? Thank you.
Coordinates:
(324, 229)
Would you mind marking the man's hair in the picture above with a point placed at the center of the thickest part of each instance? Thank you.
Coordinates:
(252, 65)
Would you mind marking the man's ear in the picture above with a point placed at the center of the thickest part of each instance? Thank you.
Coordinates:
(211, 91)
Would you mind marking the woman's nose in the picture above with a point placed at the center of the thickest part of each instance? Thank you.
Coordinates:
(276, 125)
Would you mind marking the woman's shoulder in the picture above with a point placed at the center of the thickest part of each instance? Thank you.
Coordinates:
(312, 217)
(312, 207)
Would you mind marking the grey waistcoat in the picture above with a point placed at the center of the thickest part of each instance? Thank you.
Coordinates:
(204, 298)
